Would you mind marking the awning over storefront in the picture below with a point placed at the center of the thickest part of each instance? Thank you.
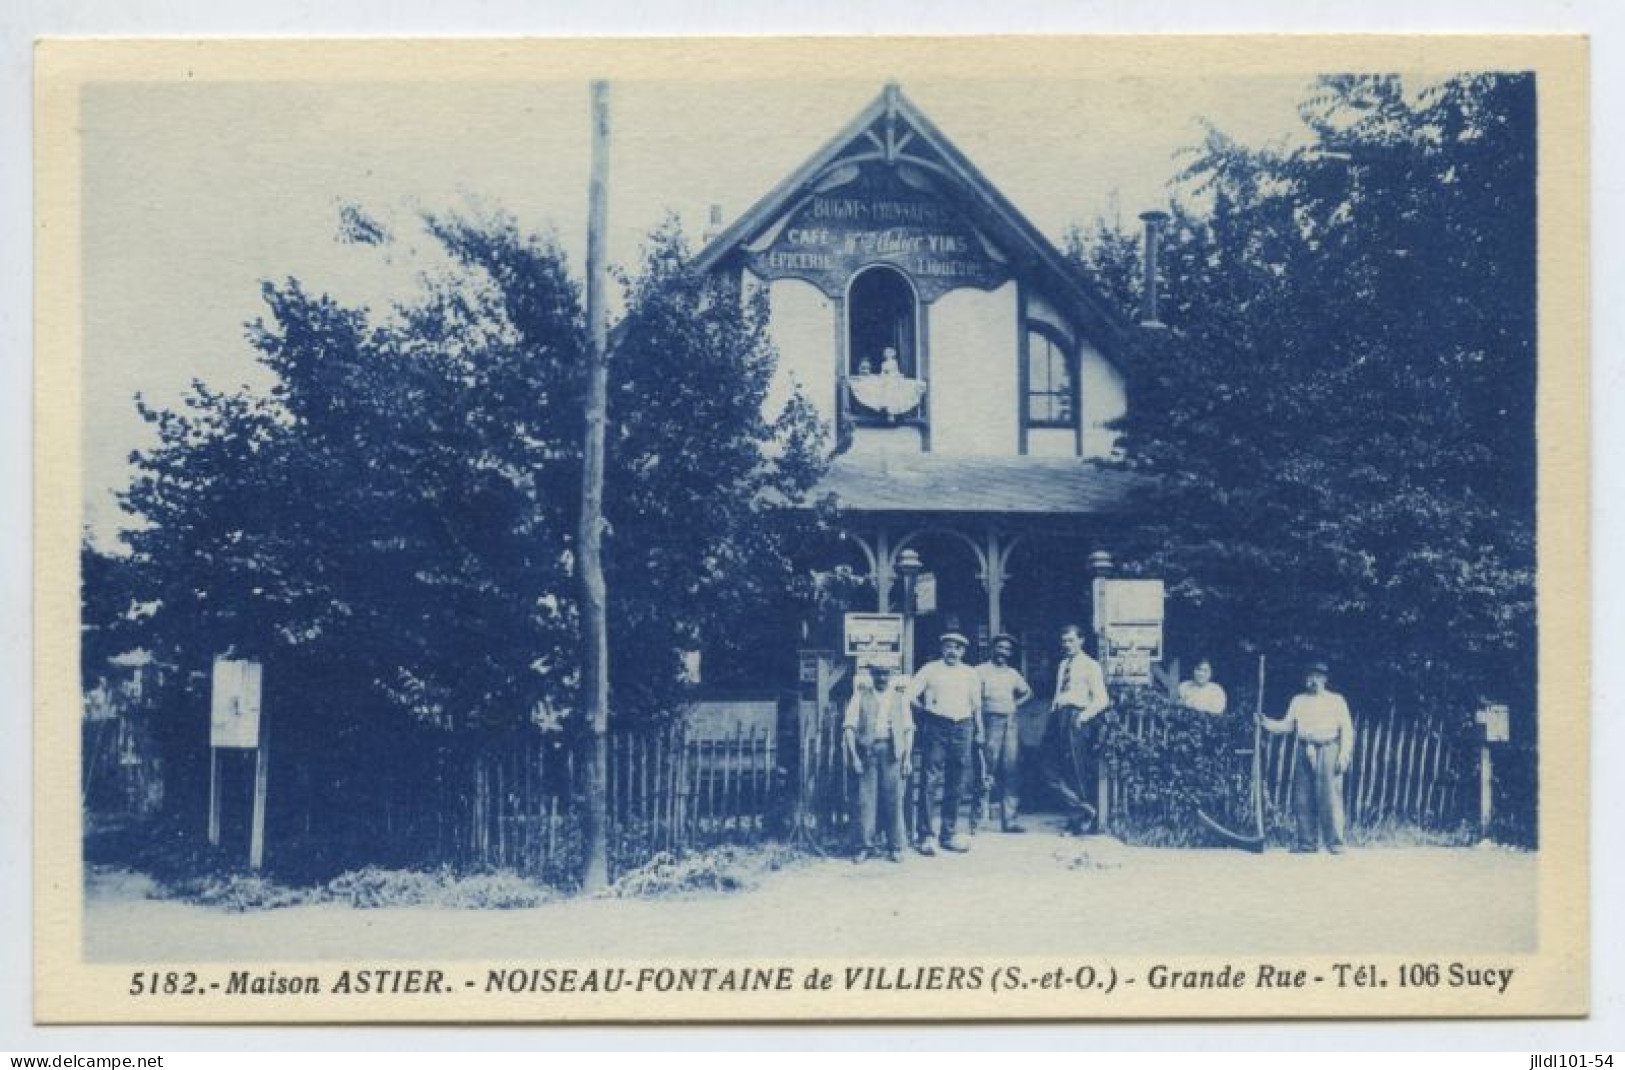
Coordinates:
(934, 483)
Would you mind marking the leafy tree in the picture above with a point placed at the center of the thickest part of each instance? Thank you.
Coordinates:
(388, 503)
(107, 616)
(382, 528)
(698, 481)
(390, 526)
(1342, 421)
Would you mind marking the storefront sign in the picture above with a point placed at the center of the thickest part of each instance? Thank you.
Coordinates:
(1128, 624)
(1129, 653)
(807, 662)
(925, 594)
(879, 215)
(875, 638)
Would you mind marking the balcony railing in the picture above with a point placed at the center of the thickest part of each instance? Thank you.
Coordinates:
(887, 398)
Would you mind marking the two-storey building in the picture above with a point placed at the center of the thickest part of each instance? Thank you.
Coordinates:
(969, 374)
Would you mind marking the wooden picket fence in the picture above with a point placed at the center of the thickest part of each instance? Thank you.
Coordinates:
(822, 806)
(519, 805)
(667, 792)
(1404, 773)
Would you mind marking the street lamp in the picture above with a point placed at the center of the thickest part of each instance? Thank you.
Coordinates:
(909, 566)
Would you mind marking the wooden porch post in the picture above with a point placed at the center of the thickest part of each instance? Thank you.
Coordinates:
(884, 576)
(993, 578)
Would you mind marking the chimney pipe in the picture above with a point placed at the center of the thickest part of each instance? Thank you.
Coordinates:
(714, 226)
(1154, 221)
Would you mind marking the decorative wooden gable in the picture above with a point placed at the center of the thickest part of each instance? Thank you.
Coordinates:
(869, 211)
(891, 189)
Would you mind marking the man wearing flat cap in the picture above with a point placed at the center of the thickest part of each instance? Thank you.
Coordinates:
(877, 737)
(1325, 748)
(1004, 689)
(946, 696)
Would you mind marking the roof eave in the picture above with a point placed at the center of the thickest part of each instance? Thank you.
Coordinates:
(1051, 258)
(770, 205)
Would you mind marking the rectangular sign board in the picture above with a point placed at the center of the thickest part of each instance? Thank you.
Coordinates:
(1497, 721)
(1128, 602)
(925, 594)
(1128, 623)
(234, 704)
(877, 638)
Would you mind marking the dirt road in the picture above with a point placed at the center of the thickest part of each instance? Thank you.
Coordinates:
(1027, 894)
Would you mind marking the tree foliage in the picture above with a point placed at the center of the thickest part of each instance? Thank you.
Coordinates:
(390, 526)
(382, 526)
(1342, 419)
(701, 548)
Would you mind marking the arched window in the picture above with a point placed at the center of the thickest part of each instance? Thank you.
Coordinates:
(1052, 381)
(880, 317)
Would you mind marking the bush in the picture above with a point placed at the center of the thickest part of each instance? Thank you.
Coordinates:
(1395, 834)
(372, 887)
(364, 889)
(1170, 762)
(241, 892)
(500, 890)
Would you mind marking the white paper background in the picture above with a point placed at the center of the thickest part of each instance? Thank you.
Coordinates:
(21, 22)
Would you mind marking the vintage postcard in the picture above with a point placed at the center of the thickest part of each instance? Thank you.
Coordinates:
(827, 529)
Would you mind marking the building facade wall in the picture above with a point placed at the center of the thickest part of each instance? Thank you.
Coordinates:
(1104, 400)
(974, 372)
(803, 327)
(1041, 311)
(972, 352)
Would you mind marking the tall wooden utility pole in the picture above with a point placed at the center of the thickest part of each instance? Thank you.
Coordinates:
(595, 660)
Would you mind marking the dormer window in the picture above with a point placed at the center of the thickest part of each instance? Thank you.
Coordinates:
(1052, 380)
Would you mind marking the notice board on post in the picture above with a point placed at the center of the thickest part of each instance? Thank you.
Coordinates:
(1128, 618)
(875, 638)
(234, 704)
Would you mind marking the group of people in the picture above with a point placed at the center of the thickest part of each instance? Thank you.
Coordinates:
(913, 743)
(941, 719)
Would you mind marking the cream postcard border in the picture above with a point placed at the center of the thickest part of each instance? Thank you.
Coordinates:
(1553, 981)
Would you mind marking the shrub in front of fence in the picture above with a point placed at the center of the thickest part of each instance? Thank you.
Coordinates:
(1164, 763)
(1410, 781)
(726, 868)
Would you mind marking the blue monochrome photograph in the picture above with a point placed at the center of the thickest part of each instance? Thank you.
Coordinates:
(842, 528)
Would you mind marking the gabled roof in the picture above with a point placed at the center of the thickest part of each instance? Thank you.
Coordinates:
(874, 135)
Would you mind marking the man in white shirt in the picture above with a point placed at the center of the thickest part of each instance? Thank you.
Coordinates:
(1325, 748)
(946, 696)
(1071, 745)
